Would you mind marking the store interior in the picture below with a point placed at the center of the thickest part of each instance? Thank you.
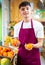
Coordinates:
(10, 16)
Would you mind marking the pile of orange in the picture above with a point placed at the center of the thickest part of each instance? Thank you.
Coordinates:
(7, 52)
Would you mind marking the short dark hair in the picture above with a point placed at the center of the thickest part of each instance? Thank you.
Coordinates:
(24, 3)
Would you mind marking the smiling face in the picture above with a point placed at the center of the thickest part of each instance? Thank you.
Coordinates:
(26, 11)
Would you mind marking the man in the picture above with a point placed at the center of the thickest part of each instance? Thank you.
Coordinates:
(28, 31)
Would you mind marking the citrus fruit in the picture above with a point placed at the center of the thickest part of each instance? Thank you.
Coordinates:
(29, 46)
(10, 55)
(5, 61)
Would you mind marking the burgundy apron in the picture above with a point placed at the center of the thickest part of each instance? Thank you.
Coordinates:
(26, 57)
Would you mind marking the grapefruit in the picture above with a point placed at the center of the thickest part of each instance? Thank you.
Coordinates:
(5, 61)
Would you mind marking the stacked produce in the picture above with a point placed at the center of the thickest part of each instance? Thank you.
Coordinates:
(6, 52)
(11, 41)
(10, 50)
(7, 40)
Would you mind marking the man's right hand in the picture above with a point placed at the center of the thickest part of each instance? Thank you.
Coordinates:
(17, 42)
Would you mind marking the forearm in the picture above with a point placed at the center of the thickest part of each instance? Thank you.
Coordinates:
(39, 44)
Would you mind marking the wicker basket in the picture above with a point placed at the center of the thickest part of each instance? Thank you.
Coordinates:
(14, 59)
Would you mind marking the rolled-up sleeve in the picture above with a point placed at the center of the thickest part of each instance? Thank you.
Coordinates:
(40, 32)
(15, 31)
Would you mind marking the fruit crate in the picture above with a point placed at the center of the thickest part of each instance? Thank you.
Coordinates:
(14, 58)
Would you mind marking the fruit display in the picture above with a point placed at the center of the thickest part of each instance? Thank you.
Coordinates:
(8, 55)
(6, 52)
(7, 40)
(29, 46)
(11, 41)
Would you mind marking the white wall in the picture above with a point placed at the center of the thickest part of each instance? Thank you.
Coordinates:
(5, 18)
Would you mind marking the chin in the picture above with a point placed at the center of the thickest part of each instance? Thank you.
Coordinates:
(26, 16)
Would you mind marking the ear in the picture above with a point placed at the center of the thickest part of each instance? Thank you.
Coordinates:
(19, 10)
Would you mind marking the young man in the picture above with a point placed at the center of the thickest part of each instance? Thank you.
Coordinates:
(28, 31)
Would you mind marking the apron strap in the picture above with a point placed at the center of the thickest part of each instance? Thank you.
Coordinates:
(31, 24)
(22, 24)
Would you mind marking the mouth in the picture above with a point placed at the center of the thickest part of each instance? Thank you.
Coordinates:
(25, 13)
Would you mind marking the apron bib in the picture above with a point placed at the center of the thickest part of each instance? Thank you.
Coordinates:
(25, 57)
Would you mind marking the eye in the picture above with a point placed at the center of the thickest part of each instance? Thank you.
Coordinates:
(23, 9)
(27, 8)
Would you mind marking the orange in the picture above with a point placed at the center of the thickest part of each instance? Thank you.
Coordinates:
(13, 44)
(17, 41)
(10, 55)
(29, 46)
(1, 47)
(14, 41)
(4, 49)
(8, 49)
(12, 52)
(2, 52)
(5, 54)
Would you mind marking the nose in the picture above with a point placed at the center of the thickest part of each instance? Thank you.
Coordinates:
(25, 10)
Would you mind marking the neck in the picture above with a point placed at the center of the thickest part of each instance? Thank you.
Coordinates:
(27, 19)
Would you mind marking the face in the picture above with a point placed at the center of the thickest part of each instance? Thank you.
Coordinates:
(26, 11)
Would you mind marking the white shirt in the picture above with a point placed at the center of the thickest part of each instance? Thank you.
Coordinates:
(38, 28)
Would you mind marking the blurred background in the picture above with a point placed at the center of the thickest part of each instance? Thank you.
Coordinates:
(0, 22)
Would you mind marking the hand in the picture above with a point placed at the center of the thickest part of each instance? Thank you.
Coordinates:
(17, 42)
(29, 46)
